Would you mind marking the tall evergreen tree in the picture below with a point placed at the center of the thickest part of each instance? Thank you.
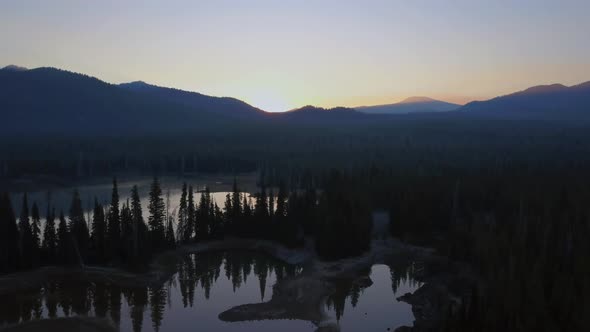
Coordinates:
(182, 214)
(170, 239)
(217, 225)
(126, 232)
(190, 216)
(79, 228)
(9, 236)
(26, 235)
(138, 229)
(114, 222)
(228, 213)
(281, 210)
(237, 211)
(49, 245)
(271, 204)
(156, 220)
(99, 232)
(261, 216)
(63, 240)
(36, 227)
(203, 216)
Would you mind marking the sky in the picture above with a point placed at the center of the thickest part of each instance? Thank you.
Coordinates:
(284, 54)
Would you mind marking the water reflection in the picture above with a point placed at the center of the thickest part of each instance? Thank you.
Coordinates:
(210, 282)
(206, 285)
(362, 305)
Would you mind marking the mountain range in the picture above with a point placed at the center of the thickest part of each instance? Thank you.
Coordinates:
(554, 102)
(49, 100)
(410, 105)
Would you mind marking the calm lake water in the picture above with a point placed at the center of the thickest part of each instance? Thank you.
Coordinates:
(61, 198)
(206, 285)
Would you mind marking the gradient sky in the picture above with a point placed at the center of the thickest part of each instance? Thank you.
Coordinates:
(283, 54)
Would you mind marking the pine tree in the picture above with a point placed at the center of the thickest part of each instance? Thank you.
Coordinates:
(190, 216)
(203, 215)
(49, 245)
(237, 210)
(9, 236)
(114, 222)
(228, 213)
(79, 228)
(63, 240)
(126, 232)
(281, 210)
(26, 235)
(217, 224)
(170, 239)
(271, 204)
(182, 214)
(157, 210)
(99, 232)
(261, 213)
(138, 223)
(246, 218)
(36, 228)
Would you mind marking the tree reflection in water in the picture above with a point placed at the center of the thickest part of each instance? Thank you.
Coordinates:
(402, 278)
(195, 273)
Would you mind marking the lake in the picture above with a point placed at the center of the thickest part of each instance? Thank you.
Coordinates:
(61, 197)
(205, 285)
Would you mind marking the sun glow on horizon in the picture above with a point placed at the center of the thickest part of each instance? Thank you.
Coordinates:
(268, 100)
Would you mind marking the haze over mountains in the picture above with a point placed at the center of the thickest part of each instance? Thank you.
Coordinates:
(49, 100)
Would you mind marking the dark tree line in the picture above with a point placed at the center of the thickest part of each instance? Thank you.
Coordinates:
(336, 217)
(117, 234)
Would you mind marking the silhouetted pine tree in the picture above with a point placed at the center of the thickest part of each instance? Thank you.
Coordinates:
(170, 239)
(261, 216)
(281, 210)
(9, 236)
(236, 204)
(247, 225)
(49, 245)
(78, 227)
(36, 229)
(139, 229)
(228, 213)
(182, 215)
(26, 236)
(126, 232)
(271, 205)
(191, 216)
(63, 241)
(99, 232)
(217, 225)
(203, 215)
(156, 220)
(114, 223)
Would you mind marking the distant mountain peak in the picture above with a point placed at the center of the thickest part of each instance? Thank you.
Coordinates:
(416, 104)
(15, 68)
(545, 88)
(416, 99)
(137, 83)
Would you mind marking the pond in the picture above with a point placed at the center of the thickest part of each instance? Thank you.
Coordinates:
(374, 308)
(205, 285)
